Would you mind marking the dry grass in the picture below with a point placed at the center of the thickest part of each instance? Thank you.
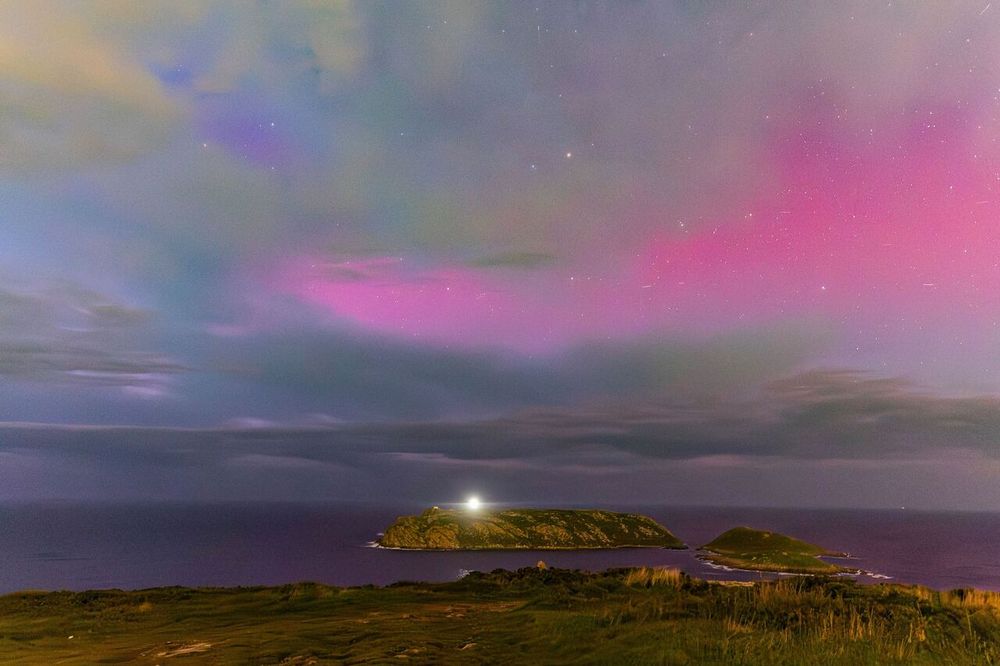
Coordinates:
(653, 576)
(968, 598)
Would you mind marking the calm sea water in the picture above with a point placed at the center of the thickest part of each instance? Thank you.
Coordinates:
(76, 547)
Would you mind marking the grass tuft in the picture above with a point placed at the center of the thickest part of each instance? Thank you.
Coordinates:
(650, 576)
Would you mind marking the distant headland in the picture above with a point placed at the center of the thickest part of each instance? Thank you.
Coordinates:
(525, 529)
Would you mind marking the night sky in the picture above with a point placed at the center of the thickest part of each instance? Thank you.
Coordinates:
(677, 252)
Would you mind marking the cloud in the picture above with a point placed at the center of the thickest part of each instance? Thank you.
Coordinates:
(862, 439)
(817, 415)
(269, 462)
(513, 260)
(833, 415)
(60, 333)
(70, 95)
(359, 376)
(264, 43)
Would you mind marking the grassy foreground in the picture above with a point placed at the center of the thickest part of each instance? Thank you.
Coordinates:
(529, 616)
(520, 529)
(760, 550)
(532, 616)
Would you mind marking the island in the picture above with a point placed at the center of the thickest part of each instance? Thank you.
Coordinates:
(525, 529)
(760, 550)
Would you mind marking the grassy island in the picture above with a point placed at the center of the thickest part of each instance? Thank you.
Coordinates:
(525, 529)
(759, 550)
(530, 616)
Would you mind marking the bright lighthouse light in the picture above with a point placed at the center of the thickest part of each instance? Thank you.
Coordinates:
(473, 503)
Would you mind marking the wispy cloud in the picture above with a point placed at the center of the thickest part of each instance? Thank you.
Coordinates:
(834, 428)
(60, 333)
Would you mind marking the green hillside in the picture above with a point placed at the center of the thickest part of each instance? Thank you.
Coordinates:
(525, 529)
(760, 550)
(531, 616)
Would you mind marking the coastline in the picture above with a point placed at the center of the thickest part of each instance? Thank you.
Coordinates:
(857, 573)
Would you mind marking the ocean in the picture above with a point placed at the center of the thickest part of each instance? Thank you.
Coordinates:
(75, 546)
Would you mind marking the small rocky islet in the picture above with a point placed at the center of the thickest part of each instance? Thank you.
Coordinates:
(762, 550)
